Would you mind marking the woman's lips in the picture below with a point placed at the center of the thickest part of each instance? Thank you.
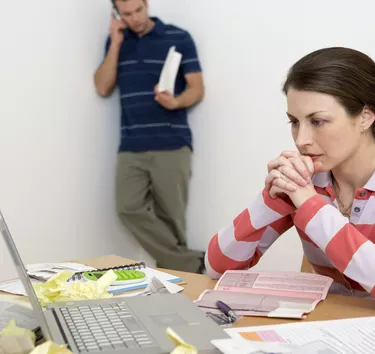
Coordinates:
(313, 157)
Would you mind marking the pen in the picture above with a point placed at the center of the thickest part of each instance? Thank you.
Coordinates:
(226, 310)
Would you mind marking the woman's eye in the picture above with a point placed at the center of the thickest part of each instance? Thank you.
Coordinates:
(317, 122)
(293, 123)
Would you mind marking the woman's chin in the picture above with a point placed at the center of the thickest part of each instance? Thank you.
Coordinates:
(322, 168)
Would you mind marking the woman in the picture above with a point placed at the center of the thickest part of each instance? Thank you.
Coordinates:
(326, 189)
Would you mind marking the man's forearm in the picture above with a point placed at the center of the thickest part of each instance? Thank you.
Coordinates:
(105, 76)
(190, 97)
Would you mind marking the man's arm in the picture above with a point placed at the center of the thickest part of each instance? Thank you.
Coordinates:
(194, 91)
(192, 72)
(192, 95)
(105, 76)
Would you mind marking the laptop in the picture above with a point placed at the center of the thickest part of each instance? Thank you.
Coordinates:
(119, 325)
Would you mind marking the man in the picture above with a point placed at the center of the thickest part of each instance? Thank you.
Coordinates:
(154, 161)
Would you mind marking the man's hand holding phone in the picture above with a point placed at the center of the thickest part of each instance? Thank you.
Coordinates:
(117, 30)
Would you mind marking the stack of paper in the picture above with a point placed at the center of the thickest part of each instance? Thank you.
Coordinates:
(45, 271)
(349, 336)
(150, 273)
(15, 286)
(169, 72)
(276, 294)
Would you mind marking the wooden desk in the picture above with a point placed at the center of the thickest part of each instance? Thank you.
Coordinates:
(334, 307)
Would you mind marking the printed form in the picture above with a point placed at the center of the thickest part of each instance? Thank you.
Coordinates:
(270, 294)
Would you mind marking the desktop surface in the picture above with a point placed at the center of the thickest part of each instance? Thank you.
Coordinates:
(333, 307)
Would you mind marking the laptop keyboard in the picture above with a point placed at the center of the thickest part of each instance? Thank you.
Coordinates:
(103, 327)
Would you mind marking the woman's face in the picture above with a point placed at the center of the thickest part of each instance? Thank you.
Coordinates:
(322, 129)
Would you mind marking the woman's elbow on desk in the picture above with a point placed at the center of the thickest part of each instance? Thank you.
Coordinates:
(210, 272)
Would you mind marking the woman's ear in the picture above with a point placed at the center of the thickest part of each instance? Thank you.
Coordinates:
(367, 118)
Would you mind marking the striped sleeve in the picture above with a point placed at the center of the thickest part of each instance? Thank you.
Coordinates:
(347, 248)
(241, 244)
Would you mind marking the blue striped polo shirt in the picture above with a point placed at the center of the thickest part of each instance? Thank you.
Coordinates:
(145, 125)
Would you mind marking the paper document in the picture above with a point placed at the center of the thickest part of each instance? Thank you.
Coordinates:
(351, 336)
(19, 310)
(158, 286)
(150, 273)
(276, 294)
(169, 72)
(45, 271)
(243, 346)
(15, 286)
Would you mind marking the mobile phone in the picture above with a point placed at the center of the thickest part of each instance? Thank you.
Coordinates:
(117, 15)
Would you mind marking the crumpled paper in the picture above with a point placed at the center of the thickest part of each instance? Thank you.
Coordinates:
(58, 289)
(158, 286)
(51, 348)
(181, 346)
(11, 329)
(16, 340)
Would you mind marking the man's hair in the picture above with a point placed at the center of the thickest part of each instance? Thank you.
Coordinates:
(344, 73)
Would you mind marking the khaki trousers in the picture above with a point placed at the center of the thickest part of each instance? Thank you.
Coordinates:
(151, 199)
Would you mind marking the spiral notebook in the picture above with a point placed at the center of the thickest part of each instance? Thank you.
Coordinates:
(150, 272)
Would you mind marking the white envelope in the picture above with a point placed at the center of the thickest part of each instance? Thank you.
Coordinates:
(169, 72)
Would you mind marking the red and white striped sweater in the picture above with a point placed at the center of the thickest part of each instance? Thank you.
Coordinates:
(335, 246)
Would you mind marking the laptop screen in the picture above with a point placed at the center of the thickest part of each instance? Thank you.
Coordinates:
(24, 278)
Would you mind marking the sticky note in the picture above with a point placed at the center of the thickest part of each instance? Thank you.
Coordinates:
(181, 346)
(12, 329)
(51, 348)
(58, 289)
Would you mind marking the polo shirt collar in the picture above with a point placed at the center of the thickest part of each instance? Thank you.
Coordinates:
(324, 180)
(158, 29)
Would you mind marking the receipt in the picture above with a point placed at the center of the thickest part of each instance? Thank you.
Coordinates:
(58, 289)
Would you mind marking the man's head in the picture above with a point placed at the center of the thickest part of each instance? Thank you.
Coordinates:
(134, 13)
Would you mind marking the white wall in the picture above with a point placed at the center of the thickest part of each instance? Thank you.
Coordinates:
(58, 140)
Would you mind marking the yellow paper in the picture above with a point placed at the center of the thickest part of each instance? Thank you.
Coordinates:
(12, 330)
(181, 346)
(58, 289)
(51, 348)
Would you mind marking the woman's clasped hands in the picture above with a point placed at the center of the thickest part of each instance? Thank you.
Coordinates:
(290, 174)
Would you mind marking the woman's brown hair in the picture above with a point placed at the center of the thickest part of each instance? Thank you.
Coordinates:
(344, 73)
